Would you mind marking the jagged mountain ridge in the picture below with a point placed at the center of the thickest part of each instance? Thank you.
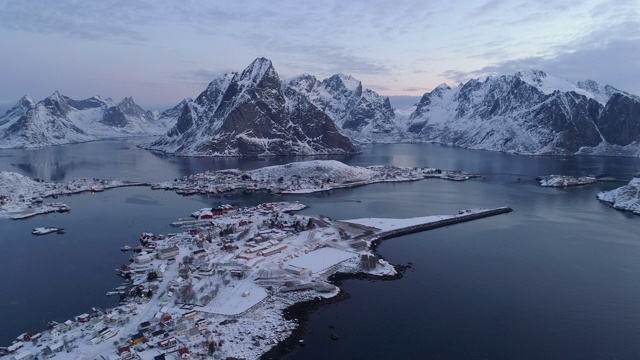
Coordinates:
(529, 113)
(60, 120)
(252, 113)
(361, 114)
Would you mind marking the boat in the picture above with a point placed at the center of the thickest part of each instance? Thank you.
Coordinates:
(47, 230)
(126, 248)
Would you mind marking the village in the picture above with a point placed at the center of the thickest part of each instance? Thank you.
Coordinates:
(302, 177)
(218, 290)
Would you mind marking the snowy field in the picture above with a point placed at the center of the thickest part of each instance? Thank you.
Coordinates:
(322, 259)
(234, 300)
(393, 224)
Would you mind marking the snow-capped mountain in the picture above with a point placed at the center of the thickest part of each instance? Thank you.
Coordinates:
(252, 113)
(361, 114)
(529, 113)
(61, 120)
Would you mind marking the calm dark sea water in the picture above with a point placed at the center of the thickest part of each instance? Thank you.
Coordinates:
(557, 278)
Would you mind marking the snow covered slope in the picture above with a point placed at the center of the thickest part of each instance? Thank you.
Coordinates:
(60, 120)
(363, 115)
(252, 113)
(529, 113)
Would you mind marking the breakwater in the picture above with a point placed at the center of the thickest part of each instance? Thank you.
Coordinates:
(467, 215)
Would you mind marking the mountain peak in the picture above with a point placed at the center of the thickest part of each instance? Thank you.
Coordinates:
(26, 101)
(533, 77)
(346, 81)
(257, 70)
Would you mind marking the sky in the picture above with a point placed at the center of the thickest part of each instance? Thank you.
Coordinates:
(160, 52)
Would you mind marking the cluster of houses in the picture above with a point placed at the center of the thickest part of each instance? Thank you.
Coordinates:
(177, 272)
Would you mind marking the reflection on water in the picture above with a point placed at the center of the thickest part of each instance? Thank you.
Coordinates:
(557, 278)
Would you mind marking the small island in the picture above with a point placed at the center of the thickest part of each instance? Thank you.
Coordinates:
(303, 177)
(625, 198)
(224, 286)
(22, 197)
(565, 181)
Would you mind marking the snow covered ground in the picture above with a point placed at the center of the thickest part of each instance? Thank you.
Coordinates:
(303, 177)
(566, 181)
(394, 224)
(625, 198)
(219, 289)
(21, 196)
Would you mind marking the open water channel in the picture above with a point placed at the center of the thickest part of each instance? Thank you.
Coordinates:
(557, 278)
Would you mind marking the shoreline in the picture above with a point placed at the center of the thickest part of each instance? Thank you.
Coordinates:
(301, 311)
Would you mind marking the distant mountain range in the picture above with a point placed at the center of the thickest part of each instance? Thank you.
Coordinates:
(254, 112)
(61, 120)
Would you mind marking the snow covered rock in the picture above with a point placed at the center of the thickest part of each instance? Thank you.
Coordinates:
(625, 198)
(252, 113)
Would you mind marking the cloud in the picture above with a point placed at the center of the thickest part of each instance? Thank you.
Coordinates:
(198, 76)
(608, 56)
(88, 20)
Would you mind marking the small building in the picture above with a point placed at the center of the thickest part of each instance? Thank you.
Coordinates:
(194, 334)
(296, 270)
(107, 333)
(143, 258)
(181, 329)
(183, 354)
(125, 353)
(55, 347)
(205, 215)
(201, 324)
(272, 250)
(190, 315)
(15, 346)
(158, 335)
(138, 338)
(83, 318)
(55, 332)
(200, 253)
(168, 253)
(145, 325)
(68, 325)
(97, 324)
(184, 272)
(25, 355)
(167, 343)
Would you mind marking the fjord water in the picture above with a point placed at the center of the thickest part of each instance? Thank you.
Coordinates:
(557, 278)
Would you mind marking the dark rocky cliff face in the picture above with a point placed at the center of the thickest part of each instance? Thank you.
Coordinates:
(619, 123)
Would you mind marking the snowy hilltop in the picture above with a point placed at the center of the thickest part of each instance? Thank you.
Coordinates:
(302, 177)
(60, 120)
(625, 198)
(252, 113)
